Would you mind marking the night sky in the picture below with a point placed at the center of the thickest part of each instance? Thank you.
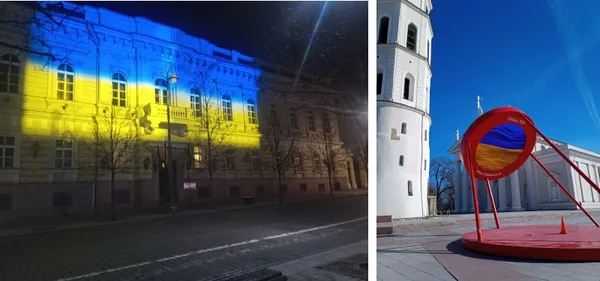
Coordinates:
(274, 31)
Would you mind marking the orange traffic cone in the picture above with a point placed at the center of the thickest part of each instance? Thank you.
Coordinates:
(563, 226)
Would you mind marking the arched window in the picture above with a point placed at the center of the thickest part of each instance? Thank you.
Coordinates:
(403, 129)
(401, 160)
(195, 100)
(227, 108)
(119, 90)
(410, 190)
(425, 135)
(65, 75)
(409, 85)
(428, 54)
(425, 165)
(379, 82)
(384, 26)
(251, 106)
(411, 37)
(161, 95)
(9, 74)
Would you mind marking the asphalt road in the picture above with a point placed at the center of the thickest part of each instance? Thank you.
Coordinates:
(190, 247)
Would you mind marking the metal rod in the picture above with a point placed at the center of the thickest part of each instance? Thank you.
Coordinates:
(475, 201)
(565, 190)
(592, 184)
(489, 189)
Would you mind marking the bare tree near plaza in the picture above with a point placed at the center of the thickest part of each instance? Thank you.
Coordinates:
(328, 151)
(441, 177)
(212, 129)
(279, 141)
(35, 24)
(114, 147)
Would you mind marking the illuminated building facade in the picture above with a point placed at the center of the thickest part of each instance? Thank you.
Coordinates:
(106, 60)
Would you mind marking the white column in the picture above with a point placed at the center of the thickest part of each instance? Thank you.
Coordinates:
(502, 194)
(531, 187)
(465, 192)
(457, 187)
(515, 192)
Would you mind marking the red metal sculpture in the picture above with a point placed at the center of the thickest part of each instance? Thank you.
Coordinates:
(495, 145)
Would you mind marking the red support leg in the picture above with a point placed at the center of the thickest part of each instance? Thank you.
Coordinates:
(475, 200)
(592, 184)
(489, 189)
(565, 190)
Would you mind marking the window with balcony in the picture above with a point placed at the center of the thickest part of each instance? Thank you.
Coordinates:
(9, 73)
(251, 107)
(195, 104)
(63, 157)
(65, 77)
(161, 95)
(119, 90)
(227, 108)
(7, 151)
(311, 121)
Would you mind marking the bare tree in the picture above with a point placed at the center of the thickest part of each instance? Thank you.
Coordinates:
(36, 27)
(212, 128)
(280, 142)
(328, 151)
(113, 147)
(441, 176)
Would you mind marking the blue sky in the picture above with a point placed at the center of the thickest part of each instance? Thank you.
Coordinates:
(539, 56)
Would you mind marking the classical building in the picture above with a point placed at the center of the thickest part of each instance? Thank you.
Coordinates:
(403, 121)
(530, 188)
(54, 91)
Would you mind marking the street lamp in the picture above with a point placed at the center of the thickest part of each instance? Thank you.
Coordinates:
(171, 164)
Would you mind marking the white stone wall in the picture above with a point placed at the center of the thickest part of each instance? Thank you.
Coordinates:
(392, 179)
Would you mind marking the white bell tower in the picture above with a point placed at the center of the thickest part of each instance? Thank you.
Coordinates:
(404, 36)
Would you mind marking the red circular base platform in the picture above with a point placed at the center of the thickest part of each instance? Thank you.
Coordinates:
(538, 242)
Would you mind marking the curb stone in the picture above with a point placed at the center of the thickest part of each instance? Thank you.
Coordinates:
(31, 231)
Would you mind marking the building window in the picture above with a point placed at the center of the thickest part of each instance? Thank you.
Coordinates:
(379, 83)
(406, 92)
(410, 189)
(401, 160)
(251, 106)
(311, 121)
(316, 161)
(425, 165)
(293, 119)
(298, 165)
(161, 96)
(230, 159)
(227, 108)
(195, 102)
(326, 124)
(403, 129)
(425, 135)
(197, 157)
(118, 90)
(65, 77)
(411, 37)
(7, 151)
(254, 160)
(63, 157)
(384, 25)
(9, 74)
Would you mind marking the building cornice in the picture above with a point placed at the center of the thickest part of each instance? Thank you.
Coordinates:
(403, 106)
(410, 52)
(415, 8)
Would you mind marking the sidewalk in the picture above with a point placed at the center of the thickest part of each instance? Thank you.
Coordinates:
(306, 268)
(51, 224)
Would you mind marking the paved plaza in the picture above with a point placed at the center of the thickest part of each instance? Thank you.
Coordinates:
(430, 249)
